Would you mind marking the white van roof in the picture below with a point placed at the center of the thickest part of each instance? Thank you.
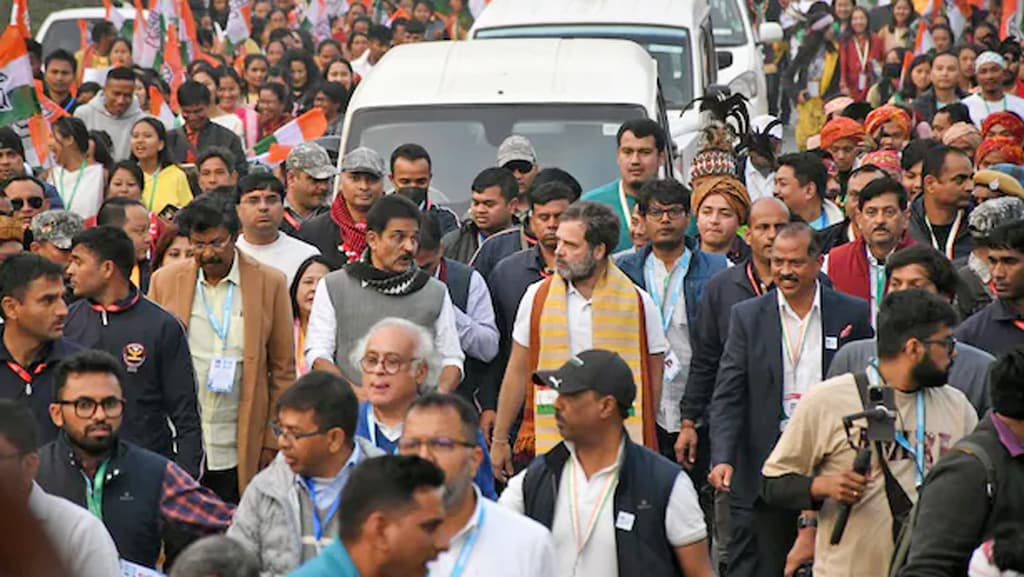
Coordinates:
(507, 71)
(505, 13)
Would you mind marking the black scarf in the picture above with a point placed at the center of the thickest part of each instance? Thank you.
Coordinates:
(386, 282)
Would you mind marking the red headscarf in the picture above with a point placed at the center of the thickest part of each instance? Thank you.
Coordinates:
(1009, 147)
(839, 128)
(888, 113)
(1009, 120)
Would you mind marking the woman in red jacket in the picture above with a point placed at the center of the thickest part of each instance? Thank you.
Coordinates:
(860, 56)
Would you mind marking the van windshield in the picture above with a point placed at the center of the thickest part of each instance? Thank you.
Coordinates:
(670, 48)
(727, 23)
(64, 34)
(464, 139)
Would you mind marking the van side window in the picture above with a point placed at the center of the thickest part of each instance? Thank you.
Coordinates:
(709, 68)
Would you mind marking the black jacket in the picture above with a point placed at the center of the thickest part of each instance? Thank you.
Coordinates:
(462, 243)
(955, 514)
(39, 393)
(992, 329)
(498, 246)
(160, 381)
(322, 232)
(646, 480)
(919, 231)
(746, 406)
(132, 491)
(927, 106)
(212, 134)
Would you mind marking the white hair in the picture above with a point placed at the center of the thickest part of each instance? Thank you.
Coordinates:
(424, 352)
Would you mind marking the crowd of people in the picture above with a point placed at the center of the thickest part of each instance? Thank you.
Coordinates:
(785, 363)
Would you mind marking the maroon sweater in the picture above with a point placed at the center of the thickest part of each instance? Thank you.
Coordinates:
(848, 267)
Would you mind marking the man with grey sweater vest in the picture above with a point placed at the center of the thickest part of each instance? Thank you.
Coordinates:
(384, 282)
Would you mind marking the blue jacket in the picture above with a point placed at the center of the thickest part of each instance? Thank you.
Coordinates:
(703, 266)
(484, 475)
(333, 561)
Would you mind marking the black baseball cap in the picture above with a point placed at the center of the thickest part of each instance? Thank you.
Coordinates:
(603, 372)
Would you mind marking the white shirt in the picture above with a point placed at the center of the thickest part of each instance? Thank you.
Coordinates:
(684, 520)
(285, 254)
(581, 336)
(804, 343)
(81, 192)
(478, 331)
(678, 336)
(361, 65)
(758, 185)
(80, 539)
(507, 545)
(981, 108)
(323, 322)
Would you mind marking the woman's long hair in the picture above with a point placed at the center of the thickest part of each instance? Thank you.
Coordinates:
(163, 158)
(907, 89)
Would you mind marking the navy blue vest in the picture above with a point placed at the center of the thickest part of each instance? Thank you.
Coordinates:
(131, 494)
(645, 485)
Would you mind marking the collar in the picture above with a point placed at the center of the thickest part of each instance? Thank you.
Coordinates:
(37, 501)
(474, 520)
(51, 351)
(1002, 311)
(610, 468)
(121, 305)
(233, 275)
(784, 304)
(353, 459)
(1014, 445)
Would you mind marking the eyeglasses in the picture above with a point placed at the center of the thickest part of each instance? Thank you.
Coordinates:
(36, 202)
(215, 244)
(434, 444)
(520, 166)
(292, 436)
(949, 343)
(391, 363)
(85, 407)
(673, 212)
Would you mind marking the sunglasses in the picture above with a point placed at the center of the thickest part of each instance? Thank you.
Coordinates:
(36, 202)
(520, 166)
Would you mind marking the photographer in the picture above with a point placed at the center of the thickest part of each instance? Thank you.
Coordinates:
(811, 466)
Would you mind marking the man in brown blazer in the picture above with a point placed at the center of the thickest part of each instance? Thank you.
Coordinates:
(240, 331)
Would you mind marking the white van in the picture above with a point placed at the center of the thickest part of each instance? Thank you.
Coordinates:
(60, 28)
(460, 100)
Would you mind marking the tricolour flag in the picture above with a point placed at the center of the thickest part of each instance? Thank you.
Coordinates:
(113, 15)
(1009, 21)
(51, 110)
(17, 86)
(139, 31)
(316, 20)
(159, 108)
(476, 7)
(21, 20)
(238, 26)
(306, 127)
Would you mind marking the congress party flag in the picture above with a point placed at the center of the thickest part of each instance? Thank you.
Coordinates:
(306, 127)
(17, 86)
(20, 18)
(159, 108)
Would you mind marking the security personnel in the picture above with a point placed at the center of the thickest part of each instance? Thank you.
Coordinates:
(113, 316)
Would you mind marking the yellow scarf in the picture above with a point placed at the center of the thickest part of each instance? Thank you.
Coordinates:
(617, 317)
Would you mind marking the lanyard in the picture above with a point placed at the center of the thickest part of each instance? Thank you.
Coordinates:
(794, 353)
(988, 109)
(152, 189)
(953, 231)
(318, 529)
(822, 220)
(755, 283)
(68, 202)
(917, 450)
(880, 282)
(581, 540)
(25, 376)
(862, 55)
(94, 490)
(624, 205)
(220, 329)
(467, 548)
(371, 424)
(674, 289)
(294, 222)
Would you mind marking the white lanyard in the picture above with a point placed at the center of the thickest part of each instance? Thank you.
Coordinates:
(953, 231)
(626, 212)
(581, 539)
(862, 55)
(794, 353)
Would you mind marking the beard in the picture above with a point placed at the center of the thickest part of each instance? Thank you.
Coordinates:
(456, 490)
(926, 374)
(92, 445)
(578, 271)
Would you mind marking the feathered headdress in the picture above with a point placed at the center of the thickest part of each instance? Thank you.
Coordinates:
(729, 121)
(759, 140)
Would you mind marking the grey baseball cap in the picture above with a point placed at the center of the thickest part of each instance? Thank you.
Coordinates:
(596, 370)
(57, 227)
(993, 213)
(364, 160)
(311, 158)
(516, 147)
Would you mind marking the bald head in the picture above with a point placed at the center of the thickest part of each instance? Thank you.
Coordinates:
(767, 215)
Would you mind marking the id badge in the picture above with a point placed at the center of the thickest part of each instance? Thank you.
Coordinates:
(222, 375)
(789, 403)
(862, 81)
(813, 91)
(672, 367)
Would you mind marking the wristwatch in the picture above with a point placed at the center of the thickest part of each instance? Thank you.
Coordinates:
(803, 522)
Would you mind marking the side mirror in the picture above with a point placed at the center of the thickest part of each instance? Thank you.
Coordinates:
(724, 59)
(769, 32)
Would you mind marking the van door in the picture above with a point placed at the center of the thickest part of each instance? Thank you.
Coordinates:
(670, 145)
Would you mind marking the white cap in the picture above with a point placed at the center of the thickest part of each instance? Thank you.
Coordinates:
(759, 123)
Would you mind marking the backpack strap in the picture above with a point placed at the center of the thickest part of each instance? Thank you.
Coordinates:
(979, 452)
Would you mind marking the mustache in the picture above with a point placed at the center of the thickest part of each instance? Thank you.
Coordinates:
(789, 277)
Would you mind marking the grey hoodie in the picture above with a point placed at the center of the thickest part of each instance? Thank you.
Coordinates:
(267, 519)
(97, 117)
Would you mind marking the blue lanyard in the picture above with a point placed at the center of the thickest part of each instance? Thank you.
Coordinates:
(917, 450)
(318, 529)
(220, 328)
(467, 548)
(675, 282)
(822, 221)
